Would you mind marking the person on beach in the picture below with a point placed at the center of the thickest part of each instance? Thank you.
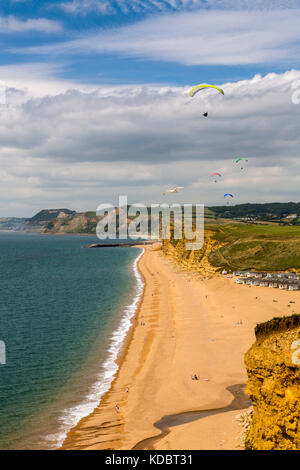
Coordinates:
(117, 408)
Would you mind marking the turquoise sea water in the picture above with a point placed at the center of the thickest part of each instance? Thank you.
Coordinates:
(64, 311)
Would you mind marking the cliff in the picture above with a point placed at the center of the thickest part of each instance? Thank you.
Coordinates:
(193, 260)
(12, 223)
(39, 221)
(273, 367)
(84, 222)
(65, 221)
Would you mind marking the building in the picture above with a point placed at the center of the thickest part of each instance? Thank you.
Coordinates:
(294, 287)
(283, 285)
(288, 281)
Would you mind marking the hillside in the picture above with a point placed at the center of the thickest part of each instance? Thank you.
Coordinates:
(64, 221)
(11, 223)
(274, 212)
(84, 222)
(238, 246)
(44, 217)
(266, 248)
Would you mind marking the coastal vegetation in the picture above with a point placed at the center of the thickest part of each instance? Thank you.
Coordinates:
(267, 248)
(277, 212)
(229, 244)
(237, 246)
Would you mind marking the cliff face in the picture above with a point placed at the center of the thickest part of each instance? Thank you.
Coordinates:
(12, 223)
(273, 367)
(65, 221)
(76, 223)
(194, 260)
(38, 222)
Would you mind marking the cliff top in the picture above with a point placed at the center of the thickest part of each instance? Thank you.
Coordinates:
(277, 324)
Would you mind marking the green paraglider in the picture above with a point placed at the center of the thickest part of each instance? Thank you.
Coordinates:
(238, 160)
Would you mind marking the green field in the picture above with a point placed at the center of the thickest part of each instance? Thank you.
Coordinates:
(267, 248)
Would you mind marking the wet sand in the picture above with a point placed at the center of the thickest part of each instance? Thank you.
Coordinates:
(184, 326)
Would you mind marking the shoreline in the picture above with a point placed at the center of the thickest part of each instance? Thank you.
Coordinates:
(71, 416)
(183, 326)
(126, 335)
(122, 352)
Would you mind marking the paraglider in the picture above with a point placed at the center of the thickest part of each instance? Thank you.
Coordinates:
(216, 176)
(238, 160)
(204, 86)
(227, 196)
(173, 191)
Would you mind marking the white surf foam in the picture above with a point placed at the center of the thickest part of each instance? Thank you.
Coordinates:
(73, 415)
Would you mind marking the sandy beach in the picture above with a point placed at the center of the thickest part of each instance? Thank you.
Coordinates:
(184, 327)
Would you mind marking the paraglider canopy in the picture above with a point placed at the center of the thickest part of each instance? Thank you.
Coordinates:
(226, 196)
(216, 176)
(242, 160)
(203, 86)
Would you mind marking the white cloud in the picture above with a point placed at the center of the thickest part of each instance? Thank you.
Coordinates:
(198, 38)
(83, 7)
(37, 80)
(111, 7)
(12, 24)
(79, 149)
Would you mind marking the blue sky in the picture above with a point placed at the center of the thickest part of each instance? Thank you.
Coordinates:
(28, 26)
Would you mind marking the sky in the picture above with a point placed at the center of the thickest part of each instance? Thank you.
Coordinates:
(96, 102)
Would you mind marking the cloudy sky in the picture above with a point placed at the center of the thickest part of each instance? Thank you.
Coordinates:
(97, 101)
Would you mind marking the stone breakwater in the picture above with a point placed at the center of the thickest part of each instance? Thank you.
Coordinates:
(273, 367)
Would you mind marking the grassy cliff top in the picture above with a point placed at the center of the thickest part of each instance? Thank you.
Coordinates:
(236, 246)
(265, 248)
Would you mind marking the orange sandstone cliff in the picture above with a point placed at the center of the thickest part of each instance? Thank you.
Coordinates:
(273, 367)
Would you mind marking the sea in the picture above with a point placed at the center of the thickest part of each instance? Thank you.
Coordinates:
(64, 313)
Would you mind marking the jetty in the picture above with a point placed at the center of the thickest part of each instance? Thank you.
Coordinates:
(123, 245)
